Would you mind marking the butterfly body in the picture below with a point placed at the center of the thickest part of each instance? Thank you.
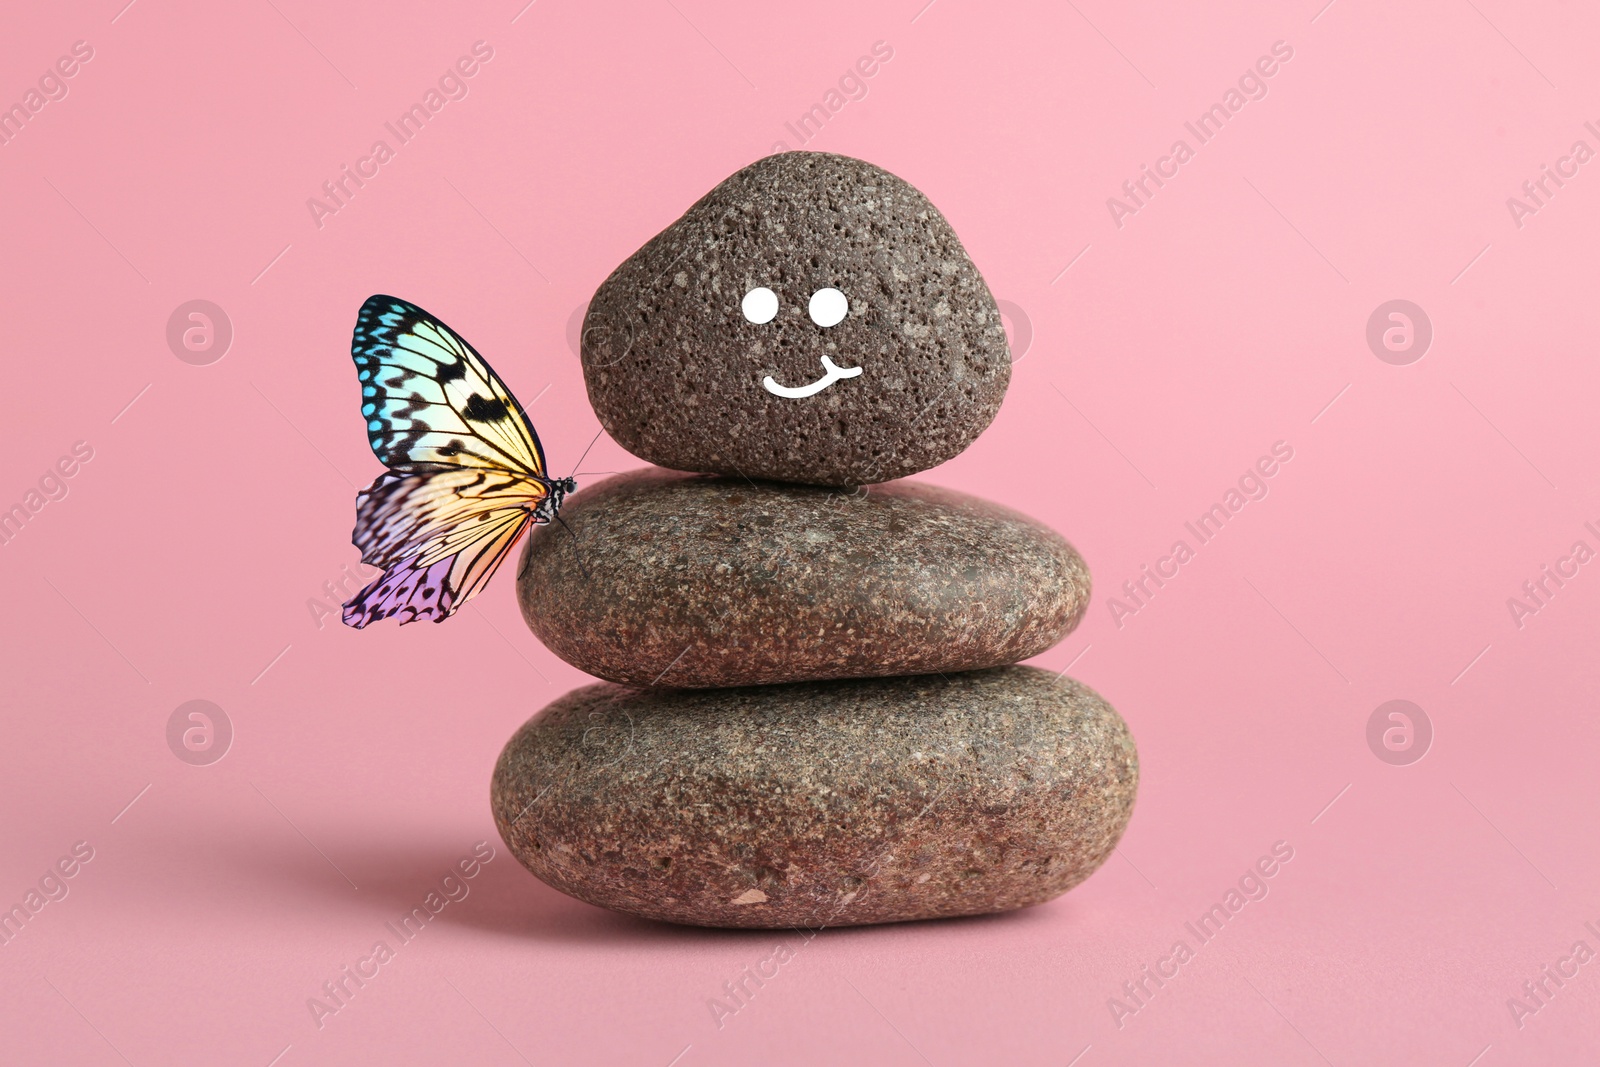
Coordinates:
(466, 471)
(547, 509)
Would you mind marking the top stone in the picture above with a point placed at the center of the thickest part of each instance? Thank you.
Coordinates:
(812, 319)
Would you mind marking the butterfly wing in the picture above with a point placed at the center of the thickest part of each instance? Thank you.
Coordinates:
(429, 399)
(438, 535)
(466, 468)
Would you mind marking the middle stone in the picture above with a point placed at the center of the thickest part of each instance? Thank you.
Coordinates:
(661, 578)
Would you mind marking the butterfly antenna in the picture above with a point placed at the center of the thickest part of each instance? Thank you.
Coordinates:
(585, 455)
(575, 546)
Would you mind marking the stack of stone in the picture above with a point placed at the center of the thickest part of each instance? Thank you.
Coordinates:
(813, 717)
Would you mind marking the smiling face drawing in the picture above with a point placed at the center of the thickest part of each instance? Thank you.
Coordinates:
(812, 319)
(828, 308)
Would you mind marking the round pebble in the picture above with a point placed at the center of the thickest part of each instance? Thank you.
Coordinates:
(661, 578)
(812, 319)
(819, 804)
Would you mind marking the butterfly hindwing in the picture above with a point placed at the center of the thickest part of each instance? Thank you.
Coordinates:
(430, 399)
(411, 591)
(433, 584)
(466, 476)
(419, 513)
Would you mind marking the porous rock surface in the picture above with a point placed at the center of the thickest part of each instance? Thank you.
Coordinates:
(675, 370)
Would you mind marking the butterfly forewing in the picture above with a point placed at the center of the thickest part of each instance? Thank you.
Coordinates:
(430, 399)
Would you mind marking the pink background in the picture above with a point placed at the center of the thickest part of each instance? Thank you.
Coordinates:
(1229, 313)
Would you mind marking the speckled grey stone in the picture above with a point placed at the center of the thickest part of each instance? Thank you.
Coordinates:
(675, 371)
(694, 580)
(822, 803)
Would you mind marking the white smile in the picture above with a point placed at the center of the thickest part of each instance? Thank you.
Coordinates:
(833, 375)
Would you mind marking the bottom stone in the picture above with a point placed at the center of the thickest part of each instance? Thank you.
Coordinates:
(819, 804)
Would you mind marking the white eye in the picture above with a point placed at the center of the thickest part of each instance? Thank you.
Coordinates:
(760, 305)
(828, 307)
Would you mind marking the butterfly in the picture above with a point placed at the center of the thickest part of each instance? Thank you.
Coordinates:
(466, 473)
